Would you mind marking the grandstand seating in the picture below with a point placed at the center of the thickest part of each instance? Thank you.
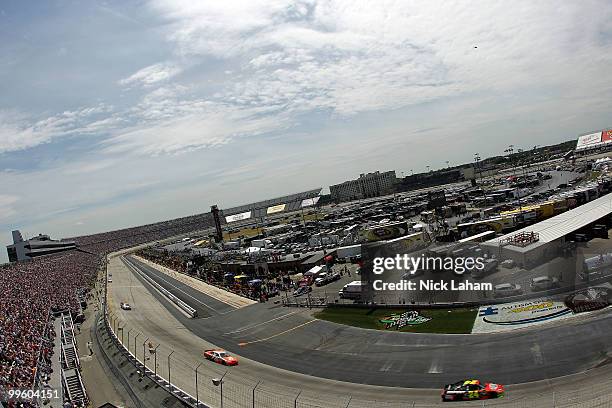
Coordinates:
(31, 291)
(259, 210)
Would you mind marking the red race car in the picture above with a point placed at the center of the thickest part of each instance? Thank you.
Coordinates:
(220, 357)
(467, 390)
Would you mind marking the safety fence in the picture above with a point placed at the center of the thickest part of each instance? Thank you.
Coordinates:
(204, 384)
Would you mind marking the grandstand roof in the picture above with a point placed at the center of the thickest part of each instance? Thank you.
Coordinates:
(559, 226)
(259, 209)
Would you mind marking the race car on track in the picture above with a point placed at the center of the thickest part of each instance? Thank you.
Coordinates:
(126, 306)
(467, 390)
(220, 357)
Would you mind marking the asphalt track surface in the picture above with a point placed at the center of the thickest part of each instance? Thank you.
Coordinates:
(292, 340)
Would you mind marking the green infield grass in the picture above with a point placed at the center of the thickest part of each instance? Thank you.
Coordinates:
(455, 321)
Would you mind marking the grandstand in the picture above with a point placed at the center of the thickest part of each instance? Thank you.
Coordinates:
(36, 293)
(107, 242)
(262, 209)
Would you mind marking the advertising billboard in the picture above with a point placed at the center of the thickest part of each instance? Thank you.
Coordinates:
(238, 217)
(386, 232)
(309, 202)
(275, 209)
(588, 140)
(606, 136)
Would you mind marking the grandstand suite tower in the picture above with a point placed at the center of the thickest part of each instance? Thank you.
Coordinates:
(218, 232)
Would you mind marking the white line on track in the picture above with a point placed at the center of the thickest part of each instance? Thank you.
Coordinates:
(262, 323)
(434, 368)
(537, 354)
(386, 367)
(180, 290)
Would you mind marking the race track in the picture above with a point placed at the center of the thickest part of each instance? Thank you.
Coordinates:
(277, 343)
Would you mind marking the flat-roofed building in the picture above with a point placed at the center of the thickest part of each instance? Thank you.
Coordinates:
(366, 186)
(40, 245)
(538, 243)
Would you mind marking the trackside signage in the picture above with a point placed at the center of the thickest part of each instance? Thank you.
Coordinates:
(275, 209)
(238, 217)
(588, 140)
(511, 316)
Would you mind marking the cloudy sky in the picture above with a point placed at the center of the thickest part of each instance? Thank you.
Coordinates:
(115, 114)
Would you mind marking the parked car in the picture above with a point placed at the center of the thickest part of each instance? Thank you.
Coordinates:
(507, 289)
(327, 278)
(490, 266)
(302, 290)
(544, 283)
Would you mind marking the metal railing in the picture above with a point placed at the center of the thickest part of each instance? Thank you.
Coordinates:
(203, 385)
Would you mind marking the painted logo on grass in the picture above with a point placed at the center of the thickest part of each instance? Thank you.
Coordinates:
(398, 320)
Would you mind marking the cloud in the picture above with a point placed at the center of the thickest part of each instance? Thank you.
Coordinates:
(348, 57)
(172, 129)
(278, 61)
(152, 74)
(19, 132)
(7, 208)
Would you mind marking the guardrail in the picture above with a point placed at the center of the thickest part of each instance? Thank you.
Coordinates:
(146, 371)
(184, 377)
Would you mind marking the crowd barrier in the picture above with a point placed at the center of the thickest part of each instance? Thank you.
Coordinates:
(203, 384)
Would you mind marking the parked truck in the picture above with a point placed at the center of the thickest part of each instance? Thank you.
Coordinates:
(261, 243)
(351, 290)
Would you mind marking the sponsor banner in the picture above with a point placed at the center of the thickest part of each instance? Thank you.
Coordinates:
(396, 321)
(588, 140)
(309, 202)
(276, 209)
(238, 217)
(511, 316)
(385, 232)
(606, 136)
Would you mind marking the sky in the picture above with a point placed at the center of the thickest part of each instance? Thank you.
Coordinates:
(115, 114)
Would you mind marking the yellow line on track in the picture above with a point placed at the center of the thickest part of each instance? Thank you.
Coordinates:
(277, 334)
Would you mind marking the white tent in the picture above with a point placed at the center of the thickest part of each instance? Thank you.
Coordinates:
(314, 271)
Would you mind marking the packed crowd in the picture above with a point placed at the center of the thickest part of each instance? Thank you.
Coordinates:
(106, 242)
(30, 291)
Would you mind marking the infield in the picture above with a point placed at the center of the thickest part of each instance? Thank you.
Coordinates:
(452, 321)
